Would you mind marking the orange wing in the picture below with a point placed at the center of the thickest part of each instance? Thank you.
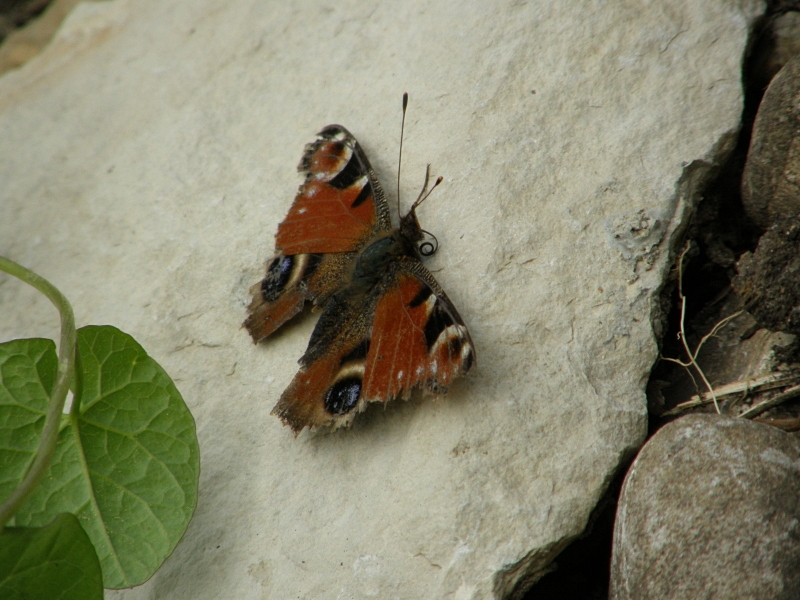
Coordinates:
(341, 203)
(418, 338)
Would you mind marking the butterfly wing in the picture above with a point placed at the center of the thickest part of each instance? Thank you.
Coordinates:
(339, 206)
(341, 203)
(289, 283)
(327, 387)
(419, 339)
(403, 334)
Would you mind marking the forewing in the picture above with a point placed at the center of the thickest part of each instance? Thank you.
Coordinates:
(341, 203)
(418, 338)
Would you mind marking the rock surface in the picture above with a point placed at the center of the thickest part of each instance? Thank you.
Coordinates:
(768, 279)
(149, 154)
(25, 43)
(709, 508)
(771, 180)
(774, 46)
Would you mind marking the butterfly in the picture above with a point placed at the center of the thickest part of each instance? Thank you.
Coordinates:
(386, 326)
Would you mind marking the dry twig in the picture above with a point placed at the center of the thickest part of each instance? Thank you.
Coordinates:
(792, 392)
(747, 387)
(682, 335)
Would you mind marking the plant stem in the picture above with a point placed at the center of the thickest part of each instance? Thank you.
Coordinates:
(66, 365)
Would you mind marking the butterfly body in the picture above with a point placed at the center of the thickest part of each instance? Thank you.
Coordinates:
(386, 325)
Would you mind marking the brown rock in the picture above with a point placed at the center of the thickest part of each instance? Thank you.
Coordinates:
(771, 180)
(709, 509)
(769, 278)
(776, 46)
(785, 31)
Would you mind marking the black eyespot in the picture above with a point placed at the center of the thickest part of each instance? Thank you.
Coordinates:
(278, 275)
(343, 396)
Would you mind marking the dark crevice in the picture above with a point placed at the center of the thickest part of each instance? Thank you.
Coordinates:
(16, 13)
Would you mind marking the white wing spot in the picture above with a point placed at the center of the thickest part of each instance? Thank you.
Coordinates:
(399, 375)
(430, 304)
(448, 334)
(303, 210)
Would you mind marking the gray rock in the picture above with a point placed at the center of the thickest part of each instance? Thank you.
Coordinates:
(771, 180)
(709, 509)
(149, 154)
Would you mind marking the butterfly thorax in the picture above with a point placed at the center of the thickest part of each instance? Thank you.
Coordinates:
(381, 252)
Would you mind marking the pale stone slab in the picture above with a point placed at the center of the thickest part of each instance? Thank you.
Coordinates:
(149, 154)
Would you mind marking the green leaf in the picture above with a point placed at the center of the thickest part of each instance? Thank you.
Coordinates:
(27, 373)
(127, 461)
(56, 561)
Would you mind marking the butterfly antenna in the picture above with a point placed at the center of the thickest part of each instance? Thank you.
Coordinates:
(400, 155)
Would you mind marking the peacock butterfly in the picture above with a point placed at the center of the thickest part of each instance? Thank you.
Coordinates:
(386, 326)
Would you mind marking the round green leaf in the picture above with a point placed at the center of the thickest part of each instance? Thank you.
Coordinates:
(127, 461)
(27, 373)
(55, 561)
